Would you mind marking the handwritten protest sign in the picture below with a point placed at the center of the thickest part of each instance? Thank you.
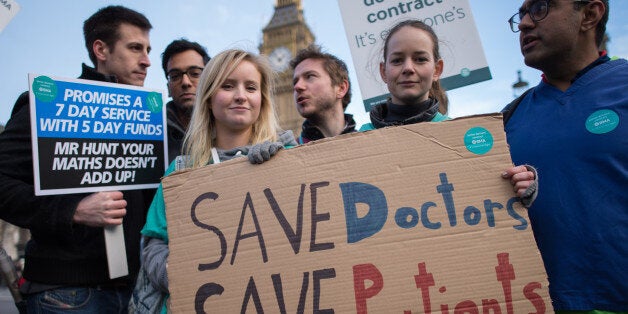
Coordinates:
(92, 136)
(366, 24)
(410, 219)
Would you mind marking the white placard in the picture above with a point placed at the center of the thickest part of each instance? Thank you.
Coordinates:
(366, 23)
(8, 9)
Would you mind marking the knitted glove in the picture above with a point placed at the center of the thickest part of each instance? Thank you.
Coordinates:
(529, 195)
(262, 152)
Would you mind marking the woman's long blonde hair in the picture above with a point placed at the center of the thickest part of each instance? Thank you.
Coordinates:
(200, 136)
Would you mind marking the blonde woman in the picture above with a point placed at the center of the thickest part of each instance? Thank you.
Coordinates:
(233, 116)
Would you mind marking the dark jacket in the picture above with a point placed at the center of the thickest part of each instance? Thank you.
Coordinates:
(310, 132)
(176, 132)
(380, 116)
(389, 114)
(59, 252)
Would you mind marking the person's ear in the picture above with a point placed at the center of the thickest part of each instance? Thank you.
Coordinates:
(382, 72)
(592, 15)
(438, 69)
(343, 87)
(100, 49)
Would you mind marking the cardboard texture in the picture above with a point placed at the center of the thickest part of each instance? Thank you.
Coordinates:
(410, 219)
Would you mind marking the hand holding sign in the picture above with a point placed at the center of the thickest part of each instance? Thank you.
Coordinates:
(101, 209)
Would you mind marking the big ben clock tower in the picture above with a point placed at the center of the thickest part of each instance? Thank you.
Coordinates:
(285, 34)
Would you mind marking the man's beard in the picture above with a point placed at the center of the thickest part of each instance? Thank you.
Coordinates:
(321, 107)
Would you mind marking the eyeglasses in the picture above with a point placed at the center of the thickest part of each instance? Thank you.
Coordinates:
(538, 11)
(175, 76)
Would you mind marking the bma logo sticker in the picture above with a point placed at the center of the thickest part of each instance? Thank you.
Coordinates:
(44, 88)
(478, 140)
(602, 121)
(465, 72)
(154, 102)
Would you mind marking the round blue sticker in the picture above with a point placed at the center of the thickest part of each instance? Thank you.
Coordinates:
(478, 140)
(602, 121)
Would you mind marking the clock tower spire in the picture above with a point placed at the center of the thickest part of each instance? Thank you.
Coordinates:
(283, 36)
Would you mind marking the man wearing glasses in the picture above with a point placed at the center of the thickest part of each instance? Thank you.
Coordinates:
(573, 127)
(183, 62)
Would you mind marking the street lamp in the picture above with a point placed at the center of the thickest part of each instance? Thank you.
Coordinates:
(519, 86)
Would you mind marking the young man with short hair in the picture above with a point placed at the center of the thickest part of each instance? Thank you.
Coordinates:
(322, 92)
(66, 261)
(183, 62)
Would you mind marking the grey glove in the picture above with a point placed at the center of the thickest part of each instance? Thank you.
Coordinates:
(529, 195)
(262, 152)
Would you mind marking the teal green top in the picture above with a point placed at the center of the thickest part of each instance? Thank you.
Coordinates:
(155, 226)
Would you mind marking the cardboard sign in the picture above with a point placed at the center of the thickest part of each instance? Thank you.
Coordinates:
(410, 219)
(366, 24)
(8, 10)
(92, 136)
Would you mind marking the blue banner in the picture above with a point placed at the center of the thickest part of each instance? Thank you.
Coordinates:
(91, 135)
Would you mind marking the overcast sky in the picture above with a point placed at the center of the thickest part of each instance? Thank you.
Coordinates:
(46, 38)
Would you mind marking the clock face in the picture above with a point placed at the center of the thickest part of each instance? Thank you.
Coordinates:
(280, 59)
